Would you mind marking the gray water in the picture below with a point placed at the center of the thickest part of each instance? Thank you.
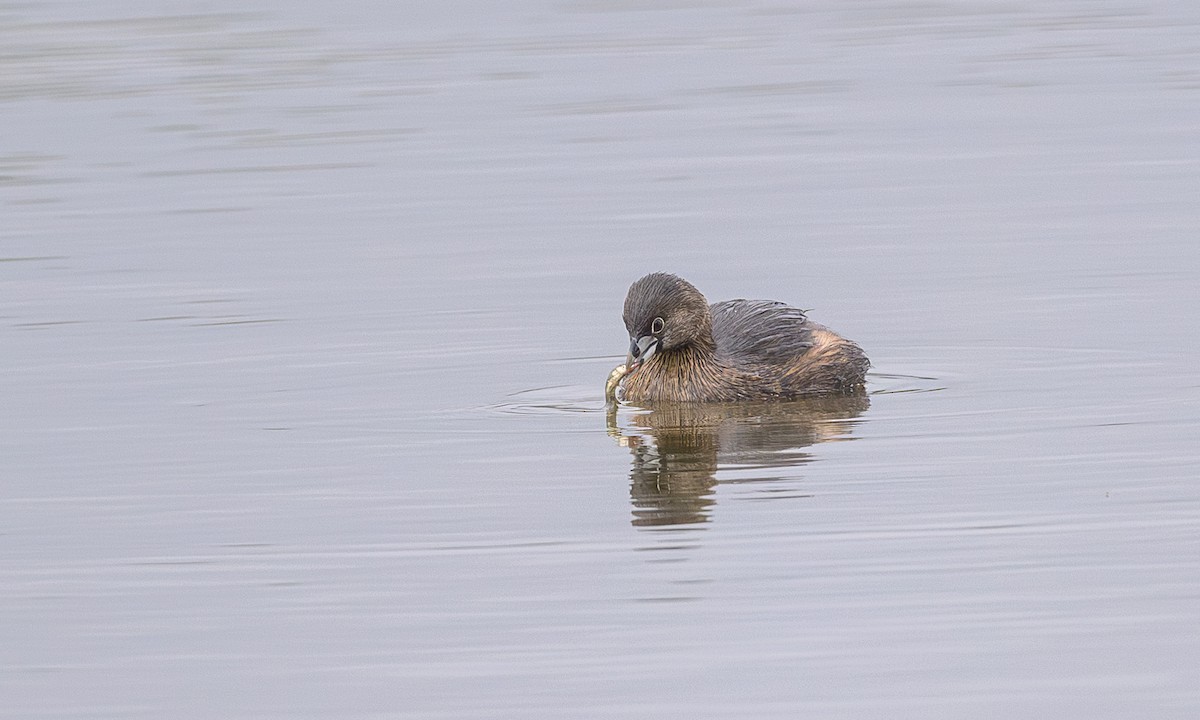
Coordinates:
(305, 314)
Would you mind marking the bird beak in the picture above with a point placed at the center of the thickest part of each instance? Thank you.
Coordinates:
(641, 350)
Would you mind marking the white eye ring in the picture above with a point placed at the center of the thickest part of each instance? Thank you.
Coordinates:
(657, 326)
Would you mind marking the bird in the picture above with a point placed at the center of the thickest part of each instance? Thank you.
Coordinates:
(681, 349)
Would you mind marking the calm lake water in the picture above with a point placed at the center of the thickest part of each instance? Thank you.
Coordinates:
(306, 311)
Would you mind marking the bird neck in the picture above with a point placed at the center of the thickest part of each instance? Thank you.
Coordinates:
(697, 361)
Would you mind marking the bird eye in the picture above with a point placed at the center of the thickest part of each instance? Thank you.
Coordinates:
(657, 326)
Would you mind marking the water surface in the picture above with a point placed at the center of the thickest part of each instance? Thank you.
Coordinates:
(305, 314)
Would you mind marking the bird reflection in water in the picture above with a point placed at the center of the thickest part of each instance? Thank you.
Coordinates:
(678, 448)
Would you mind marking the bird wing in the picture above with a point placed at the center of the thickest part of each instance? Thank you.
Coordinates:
(752, 331)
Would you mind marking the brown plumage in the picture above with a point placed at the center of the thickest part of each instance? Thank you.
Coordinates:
(684, 350)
